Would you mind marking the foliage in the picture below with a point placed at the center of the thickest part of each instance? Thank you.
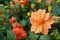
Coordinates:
(22, 14)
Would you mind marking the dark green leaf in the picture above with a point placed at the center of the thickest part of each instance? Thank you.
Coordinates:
(56, 10)
(11, 35)
(32, 36)
(45, 37)
(58, 37)
(23, 22)
(55, 32)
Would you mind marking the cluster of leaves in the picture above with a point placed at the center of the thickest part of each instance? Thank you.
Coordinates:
(22, 14)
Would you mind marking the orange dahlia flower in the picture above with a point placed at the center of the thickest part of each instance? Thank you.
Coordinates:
(41, 21)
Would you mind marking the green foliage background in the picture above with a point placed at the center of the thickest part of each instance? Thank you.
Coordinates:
(20, 13)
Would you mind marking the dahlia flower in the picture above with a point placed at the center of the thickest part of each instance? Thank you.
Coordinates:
(18, 29)
(41, 22)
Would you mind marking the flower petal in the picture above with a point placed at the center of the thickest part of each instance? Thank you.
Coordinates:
(45, 31)
(41, 13)
(33, 28)
(36, 17)
(38, 29)
(51, 21)
(33, 15)
(47, 25)
(33, 21)
(47, 16)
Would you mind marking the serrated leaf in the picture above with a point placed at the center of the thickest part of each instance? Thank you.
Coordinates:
(45, 37)
(11, 35)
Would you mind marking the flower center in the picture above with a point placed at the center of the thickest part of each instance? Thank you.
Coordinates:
(40, 21)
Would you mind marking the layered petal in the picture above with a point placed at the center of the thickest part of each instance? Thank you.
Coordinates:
(47, 16)
(47, 25)
(33, 21)
(40, 13)
(33, 15)
(45, 31)
(51, 21)
(33, 28)
(36, 17)
(38, 29)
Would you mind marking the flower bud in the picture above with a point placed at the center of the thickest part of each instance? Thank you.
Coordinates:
(5, 6)
(39, 1)
(33, 6)
(50, 8)
(28, 14)
(12, 21)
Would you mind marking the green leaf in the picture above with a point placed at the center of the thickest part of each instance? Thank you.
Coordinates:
(42, 5)
(32, 36)
(5, 38)
(23, 22)
(11, 35)
(34, 1)
(17, 5)
(56, 10)
(1, 36)
(55, 32)
(58, 37)
(45, 37)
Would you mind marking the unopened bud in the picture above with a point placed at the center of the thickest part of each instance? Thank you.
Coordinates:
(33, 6)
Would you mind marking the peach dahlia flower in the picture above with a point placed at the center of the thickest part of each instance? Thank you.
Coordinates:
(41, 22)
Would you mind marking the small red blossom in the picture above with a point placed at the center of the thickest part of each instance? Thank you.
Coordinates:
(17, 26)
(23, 2)
(12, 21)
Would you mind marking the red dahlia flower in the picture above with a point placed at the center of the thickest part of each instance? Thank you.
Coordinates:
(19, 31)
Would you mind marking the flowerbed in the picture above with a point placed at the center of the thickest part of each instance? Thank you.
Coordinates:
(30, 20)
